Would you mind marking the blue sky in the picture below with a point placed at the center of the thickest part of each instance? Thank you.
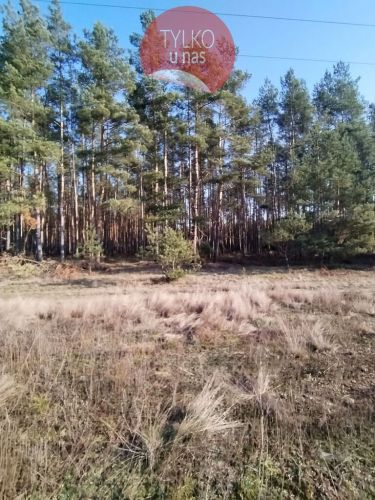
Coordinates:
(266, 37)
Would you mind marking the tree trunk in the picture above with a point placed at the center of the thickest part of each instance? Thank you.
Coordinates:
(38, 236)
(218, 224)
(75, 202)
(165, 169)
(196, 198)
(7, 238)
(92, 192)
(62, 189)
(243, 238)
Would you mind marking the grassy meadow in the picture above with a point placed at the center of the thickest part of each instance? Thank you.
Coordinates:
(234, 383)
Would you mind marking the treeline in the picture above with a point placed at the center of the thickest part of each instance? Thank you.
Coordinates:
(90, 145)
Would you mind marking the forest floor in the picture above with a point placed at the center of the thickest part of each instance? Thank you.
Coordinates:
(230, 383)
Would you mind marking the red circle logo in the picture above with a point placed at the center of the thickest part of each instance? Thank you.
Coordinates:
(189, 46)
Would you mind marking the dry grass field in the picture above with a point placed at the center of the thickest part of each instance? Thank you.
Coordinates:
(231, 383)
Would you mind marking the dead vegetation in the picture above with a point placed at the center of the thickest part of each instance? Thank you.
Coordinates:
(242, 386)
(23, 267)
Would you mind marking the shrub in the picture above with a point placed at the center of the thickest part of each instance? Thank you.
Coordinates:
(286, 234)
(174, 253)
(92, 248)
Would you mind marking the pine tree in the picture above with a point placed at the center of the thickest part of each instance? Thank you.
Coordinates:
(337, 98)
(25, 69)
(294, 120)
(104, 119)
(265, 121)
(89, 143)
(59, 98)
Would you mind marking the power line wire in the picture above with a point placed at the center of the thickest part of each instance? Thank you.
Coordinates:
(253, 56)
(228, 14)
(305, 59)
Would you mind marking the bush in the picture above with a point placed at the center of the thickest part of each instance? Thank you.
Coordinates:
(287, 233)
(174, 253)
(92, 248)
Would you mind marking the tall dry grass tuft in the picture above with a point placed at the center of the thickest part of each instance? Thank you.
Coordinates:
(8, 389)
(259, 390)
(326, 299)
(293, 335)
(329, 299)
(318, 336)
(145, 437)
(206, 413)
(301, 335)
(361, 302)
(262, 387)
